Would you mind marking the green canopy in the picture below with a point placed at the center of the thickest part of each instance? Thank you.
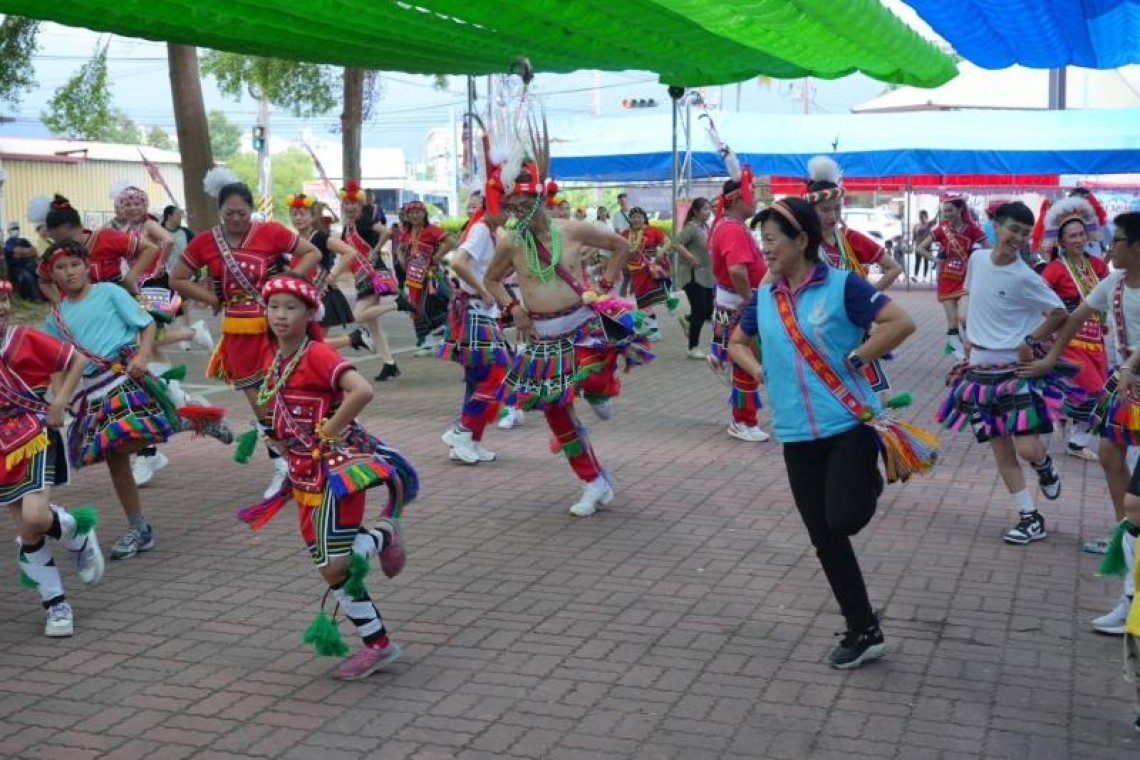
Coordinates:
(686, 42)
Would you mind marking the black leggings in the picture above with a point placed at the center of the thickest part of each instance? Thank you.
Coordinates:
(921, 261)
(836, 484)
(700, 309)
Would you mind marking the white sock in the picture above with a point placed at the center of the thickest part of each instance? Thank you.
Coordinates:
(1080, 436)
(1023, 500)
(67, 525)
(39, 566)
(1129, 546)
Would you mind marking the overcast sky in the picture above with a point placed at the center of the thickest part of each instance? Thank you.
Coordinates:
(410, 105)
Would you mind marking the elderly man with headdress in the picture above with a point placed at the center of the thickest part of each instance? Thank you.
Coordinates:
(957, 235)
(574, 336)
(843, 247)
(1073, 274)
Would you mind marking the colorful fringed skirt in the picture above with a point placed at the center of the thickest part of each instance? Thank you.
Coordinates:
(34, 468)
(115, 412)
(242, 354)
(547, 371)
(1116, 414)
(996, 403)
(473, 337)
(1092, 360)
(648, 289)
(431, 299)
(724, 320)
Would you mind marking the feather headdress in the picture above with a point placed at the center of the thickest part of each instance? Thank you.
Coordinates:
(1070, 209)
(38, 209)
(738, 172)
(824, 169)
(216, 179)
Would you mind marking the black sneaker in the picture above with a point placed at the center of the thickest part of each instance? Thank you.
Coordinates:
(1049, 480)
(403, 303)
(389, 372)
(858, 647)
(1030, 528)
(1136, 724)
(361, 340)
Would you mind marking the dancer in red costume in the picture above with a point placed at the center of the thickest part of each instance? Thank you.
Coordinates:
(420, 247)
(241, 255)
(647, 266)
(957, 235)
(1073, 274)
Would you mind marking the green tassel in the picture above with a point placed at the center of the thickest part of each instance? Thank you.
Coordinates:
(174, 373)
(357, 572)
(672, 302)
(247, 444)
(26, 581)
(1113, 562)
(86, 518)
(900, 400)
(573, 448)
(325, 638)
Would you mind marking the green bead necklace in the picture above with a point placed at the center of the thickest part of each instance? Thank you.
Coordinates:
(543, 273)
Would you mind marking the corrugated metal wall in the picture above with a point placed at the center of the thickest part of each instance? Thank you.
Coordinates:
(86, 184)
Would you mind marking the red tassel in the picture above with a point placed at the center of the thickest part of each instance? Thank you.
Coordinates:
(259, 514)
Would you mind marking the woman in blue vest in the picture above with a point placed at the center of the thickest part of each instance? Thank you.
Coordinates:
(808, 323)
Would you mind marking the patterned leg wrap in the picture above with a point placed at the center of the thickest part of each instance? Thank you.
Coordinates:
(572, 441)
(38, 571)
(363, 614)
(482, 406)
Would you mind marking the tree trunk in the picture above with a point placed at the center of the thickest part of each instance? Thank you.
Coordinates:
(352, 123)
(193, 134)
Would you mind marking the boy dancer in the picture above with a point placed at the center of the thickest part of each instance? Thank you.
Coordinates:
(1009, 310)
(35, 460)
(1118, 409)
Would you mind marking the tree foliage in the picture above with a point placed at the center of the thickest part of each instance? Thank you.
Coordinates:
(303, 89)
(291, 168)
(82, 108)
(160, 138)
(225, 136)
(17, 46)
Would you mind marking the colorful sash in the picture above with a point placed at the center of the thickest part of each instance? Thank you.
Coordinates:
(1118, 319)
(905, 448)
(1091, 331)
(847, 258)
(954, 263)
(233, 268)
(383, 283)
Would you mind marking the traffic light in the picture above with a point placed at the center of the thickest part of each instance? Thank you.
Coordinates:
(639, 103)
(259, 138)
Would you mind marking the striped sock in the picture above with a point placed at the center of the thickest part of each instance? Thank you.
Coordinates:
(38, 571)
(363, 614)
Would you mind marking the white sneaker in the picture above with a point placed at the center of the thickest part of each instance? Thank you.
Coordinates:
(89, 563)
(1112, 622)
(202, 338)
(752, 434)
(485, 454)
(604, 409)
(462, 445)
(654, 336)
(280, 473)
(697, 353)
(145, 467)
(598, 491)
(511, 419)
(59, 622)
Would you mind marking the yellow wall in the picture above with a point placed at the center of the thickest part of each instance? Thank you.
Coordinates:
(86, 184)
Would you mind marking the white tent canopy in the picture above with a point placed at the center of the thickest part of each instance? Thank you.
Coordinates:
(639, 148)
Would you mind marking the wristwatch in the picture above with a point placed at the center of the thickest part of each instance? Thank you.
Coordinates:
(1031, 341)
(855, 360)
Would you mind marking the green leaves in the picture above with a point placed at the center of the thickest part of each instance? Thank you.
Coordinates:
(303, 89)
(17, 46)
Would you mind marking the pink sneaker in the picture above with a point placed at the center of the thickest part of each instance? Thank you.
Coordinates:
(393, 557)
(367, 661)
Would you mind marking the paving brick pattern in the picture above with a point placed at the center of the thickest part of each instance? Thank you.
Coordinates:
(688, 620)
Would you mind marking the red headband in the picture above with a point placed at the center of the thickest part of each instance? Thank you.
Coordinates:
(534, 184)
(745, 191)
(415, 206)
(294, 286)
(56, 253)
(819, 196)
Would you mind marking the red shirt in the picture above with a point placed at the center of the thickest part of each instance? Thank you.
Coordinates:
(35, 356)
(419, 247)
(263, 252)
(959, 244)
(730, 243)
(312, 393)
(866, 250)
(107, 249)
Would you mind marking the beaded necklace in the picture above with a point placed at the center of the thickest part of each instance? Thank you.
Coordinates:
(542, 273)
(276, 378)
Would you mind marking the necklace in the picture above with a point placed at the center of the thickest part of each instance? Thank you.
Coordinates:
(277, 378)
(635, 241)
(534, 263)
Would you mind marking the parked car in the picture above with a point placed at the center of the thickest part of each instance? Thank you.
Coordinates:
(879, 224)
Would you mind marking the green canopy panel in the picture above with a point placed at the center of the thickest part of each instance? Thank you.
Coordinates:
(685, 42)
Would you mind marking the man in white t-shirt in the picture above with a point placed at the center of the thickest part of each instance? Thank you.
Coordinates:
(475, 341)
(1009, 310)
(1117, 297)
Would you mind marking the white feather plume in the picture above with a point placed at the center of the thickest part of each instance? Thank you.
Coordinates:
(824, 169)
(513, 167)
(1071, 208)
(120, 186)
(731, 163)
(38, 209)
(216, 179)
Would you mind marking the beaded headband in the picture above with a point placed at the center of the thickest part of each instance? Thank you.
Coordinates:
(294, 286)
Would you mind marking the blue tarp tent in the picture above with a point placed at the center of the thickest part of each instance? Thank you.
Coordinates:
(638, 148)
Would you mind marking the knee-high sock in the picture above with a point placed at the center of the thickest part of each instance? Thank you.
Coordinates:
(482, 407)
(38, 570)
(65, 529)
(1129, 546)
(571, 438)
(745, 398)
(363, 614)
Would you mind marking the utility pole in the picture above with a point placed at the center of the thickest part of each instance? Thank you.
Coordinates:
(264, 167)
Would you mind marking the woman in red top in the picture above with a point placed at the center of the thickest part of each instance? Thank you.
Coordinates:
(108, 251)
(421, 247)
(647, 266)
(957, 236)
(1072, 274)
(241, 255)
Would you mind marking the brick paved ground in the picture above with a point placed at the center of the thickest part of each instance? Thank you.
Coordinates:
(689, 620)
